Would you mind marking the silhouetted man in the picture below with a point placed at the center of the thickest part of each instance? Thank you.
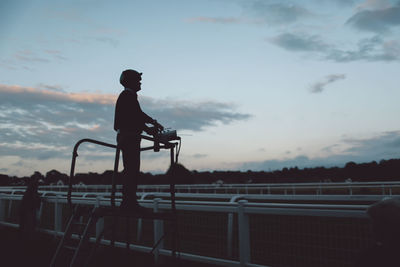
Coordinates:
(28, 241)
(30, 204)
(130, 121)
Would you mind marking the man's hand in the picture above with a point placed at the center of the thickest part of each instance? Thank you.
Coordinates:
(155, 129)
(151, 130)
(157, 125)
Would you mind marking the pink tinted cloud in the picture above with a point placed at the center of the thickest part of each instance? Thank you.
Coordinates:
(44, 94)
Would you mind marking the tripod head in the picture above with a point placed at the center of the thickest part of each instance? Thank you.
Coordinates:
(164, 136)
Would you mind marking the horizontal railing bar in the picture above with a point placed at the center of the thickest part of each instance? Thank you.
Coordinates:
(219, 196)
(250, 208)
(343, 185)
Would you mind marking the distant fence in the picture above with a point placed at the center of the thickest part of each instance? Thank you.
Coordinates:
(347, 188)
(229, 230)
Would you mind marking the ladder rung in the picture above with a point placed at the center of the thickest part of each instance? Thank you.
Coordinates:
(74, 223)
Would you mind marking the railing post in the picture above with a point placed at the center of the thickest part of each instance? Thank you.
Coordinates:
(100, 221)
(10, 203)
(244, 234)
(229, 236)
(2, 210)
(57, 215)
(158, 231)
(39, 213)
(114, 176)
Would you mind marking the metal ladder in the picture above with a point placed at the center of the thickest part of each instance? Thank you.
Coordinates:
(74, 249)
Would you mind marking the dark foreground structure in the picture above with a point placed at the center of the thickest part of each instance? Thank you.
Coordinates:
(288, 236)
(14, 253)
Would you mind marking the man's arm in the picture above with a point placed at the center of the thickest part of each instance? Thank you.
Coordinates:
(151, 130)
(147, 118)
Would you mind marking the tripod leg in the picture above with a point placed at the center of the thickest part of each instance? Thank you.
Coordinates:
(96, 245)
(113, 227)
(128, 239)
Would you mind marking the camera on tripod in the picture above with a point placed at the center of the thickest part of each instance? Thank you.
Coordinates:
(164, 136)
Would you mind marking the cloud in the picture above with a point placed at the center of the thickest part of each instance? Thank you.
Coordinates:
(367, 49)
(277, 164)
(57, 88)
(297, 42)
(383, 146)
(43, 122)
(376, 16)
(319, 87)
(21, 95)
(7, 64)
(21, 57)
(107, 40)
(262, 12)
(218, 20)
(29, 56)
(276, 13)
(378, 20)
(57, 54)
(189, 115)
(373, 4)
(199, 156)
(340, 2)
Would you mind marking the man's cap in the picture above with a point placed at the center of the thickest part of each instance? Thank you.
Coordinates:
(128, 76)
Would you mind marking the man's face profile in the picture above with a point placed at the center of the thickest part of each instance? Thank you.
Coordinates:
(135, 84)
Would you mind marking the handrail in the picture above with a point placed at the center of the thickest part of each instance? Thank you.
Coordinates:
(256, 186)
(74, 155)
(158, 144)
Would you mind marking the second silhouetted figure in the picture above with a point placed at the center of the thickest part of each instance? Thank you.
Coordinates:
(129, 122)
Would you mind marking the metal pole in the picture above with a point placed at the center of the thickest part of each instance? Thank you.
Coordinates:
(158, 232)
(115, 173)
(172, 184)
(244, 234)
(71, 175)
(173, 206)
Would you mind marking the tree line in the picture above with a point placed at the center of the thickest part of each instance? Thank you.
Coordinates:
(385, 170)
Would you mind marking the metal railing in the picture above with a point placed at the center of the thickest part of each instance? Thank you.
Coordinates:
(349, 188)
(158, 144)
(233, 225)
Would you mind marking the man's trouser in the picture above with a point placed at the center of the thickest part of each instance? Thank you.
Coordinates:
(130, 147)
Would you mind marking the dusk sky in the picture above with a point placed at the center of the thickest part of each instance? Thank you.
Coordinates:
(249, 84)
